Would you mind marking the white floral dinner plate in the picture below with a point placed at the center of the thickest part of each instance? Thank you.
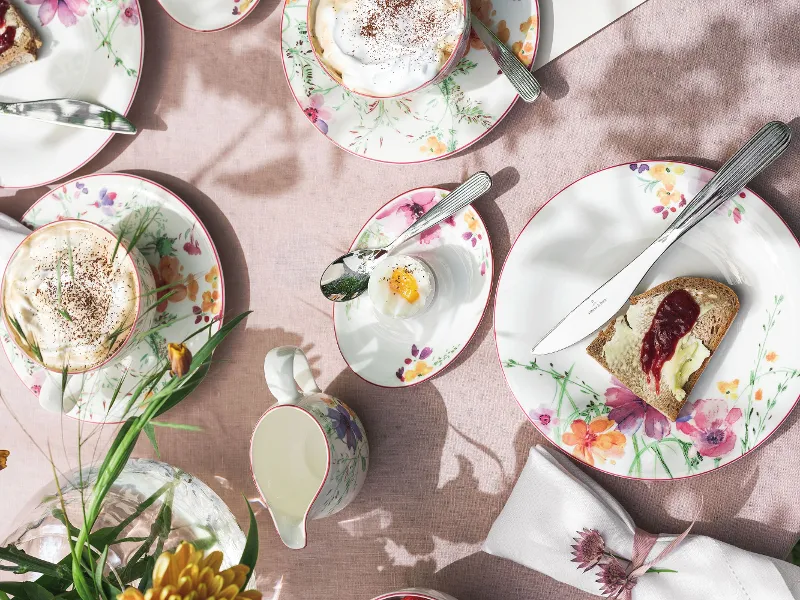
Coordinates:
(92, 50)
(400, 353)
(435, 122)
(207, 16)
(581, 238)
(178, 248)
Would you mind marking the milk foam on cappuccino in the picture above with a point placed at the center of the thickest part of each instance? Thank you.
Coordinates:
(68, 297)
(387, 47)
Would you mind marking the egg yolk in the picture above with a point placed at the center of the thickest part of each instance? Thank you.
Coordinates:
(403, 283)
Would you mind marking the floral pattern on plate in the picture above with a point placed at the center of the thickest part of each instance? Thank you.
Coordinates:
(179, 252)
(207, 16)
(394, 353)
(749, 386)
(433, 123)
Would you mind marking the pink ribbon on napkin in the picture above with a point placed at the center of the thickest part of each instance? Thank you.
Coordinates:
(643, 543)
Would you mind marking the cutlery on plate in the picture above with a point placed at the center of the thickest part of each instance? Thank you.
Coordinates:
(512, 67)
(74, 113)
(347, 277)
(594, 312)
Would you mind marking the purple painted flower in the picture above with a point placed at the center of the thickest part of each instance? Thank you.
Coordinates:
(316, 112)
(629, 411)
(191, 247)
(589, 549)
(412, 208)
(68, 10)
(129, 13)
(420, 354)
(544, 417)
(106, 202)
(644, 167)
(401, 370)
(483, 268)
(710, 425)
(80, 188)
(346, 427)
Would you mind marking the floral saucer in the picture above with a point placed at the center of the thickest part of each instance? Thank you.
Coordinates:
(207, 16)
(435, 122)
(178, 248)
(92, 50)
(407, 352)
(586, 234)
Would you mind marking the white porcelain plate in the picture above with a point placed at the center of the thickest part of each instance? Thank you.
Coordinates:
(435, 122)
(399, 353)
(586, 234)
(92, 50)
(207, 16)
(178, 248)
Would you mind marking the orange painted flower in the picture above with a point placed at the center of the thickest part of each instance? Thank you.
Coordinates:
(503, 32)
(484, 10)
(523, 51)
(168, 273)
(532, 22)
(668, 197)
(420, 369)
(472, 221)
(771, 357)
(595, 441)
(667, 174)
(433, 146)
(759, 394)
(211, 302)
(730, 389)
(192, 287)
(212, 277)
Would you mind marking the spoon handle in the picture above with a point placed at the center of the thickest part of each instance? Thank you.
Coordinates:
(461, 197)
(512, 67)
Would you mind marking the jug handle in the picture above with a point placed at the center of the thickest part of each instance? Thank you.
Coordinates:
(288, 374)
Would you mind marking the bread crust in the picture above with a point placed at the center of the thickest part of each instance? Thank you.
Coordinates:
(26, 43)
(666, 402)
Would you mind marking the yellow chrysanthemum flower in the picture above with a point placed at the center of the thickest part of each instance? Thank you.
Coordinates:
(187, 575)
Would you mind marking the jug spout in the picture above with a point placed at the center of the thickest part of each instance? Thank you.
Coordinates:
(291, 529)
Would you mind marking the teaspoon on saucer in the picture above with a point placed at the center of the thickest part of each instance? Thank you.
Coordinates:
(347, 277)
(512, 67)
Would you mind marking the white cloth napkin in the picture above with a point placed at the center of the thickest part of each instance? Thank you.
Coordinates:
(553, 500)
(566, 23)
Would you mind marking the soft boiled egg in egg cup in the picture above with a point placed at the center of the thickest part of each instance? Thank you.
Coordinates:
(401, 287)
(423, 304)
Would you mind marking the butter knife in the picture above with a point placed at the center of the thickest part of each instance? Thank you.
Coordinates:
(594, 312)
(512, 67)
(74, 113)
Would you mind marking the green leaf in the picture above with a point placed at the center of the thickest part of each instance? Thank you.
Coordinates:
(150, 431)
(34, 591)
(250, 552)
(98, 573)
(176, 426)
(4, 596)
(109, 535)
(13, 588)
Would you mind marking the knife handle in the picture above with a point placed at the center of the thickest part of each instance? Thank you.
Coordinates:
(752, 158)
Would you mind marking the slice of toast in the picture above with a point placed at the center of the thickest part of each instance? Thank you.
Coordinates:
(719, 306)
(26, 41)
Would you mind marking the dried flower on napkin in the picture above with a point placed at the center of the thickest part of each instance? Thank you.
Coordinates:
(589, 549)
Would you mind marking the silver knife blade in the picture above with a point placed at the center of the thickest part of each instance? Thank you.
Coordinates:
(74, 113)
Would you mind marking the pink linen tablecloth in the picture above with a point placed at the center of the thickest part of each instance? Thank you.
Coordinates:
(674, 78)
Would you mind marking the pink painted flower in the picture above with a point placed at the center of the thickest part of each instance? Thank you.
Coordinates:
(412, 208)
(710, 425)
(318, 113)
(614, 579)
(544, 417)
(629, 411)
(129, 13)
(589, 549)
(68, 10)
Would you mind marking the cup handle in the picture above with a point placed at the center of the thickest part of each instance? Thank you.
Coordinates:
(50, 394)
(288, 374)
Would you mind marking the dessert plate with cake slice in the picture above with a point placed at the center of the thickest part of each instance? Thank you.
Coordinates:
(81, 49)
(699, 369)
(183, 260)
(424, 302)
(430, 122)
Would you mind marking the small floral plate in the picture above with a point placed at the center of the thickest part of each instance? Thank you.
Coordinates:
(178, 248)
(207, 16)
(435, 122)
(409, 351)
(92, 50)
(581, 238)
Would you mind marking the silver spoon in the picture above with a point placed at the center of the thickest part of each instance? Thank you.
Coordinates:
(512, 67)
(347, 277)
